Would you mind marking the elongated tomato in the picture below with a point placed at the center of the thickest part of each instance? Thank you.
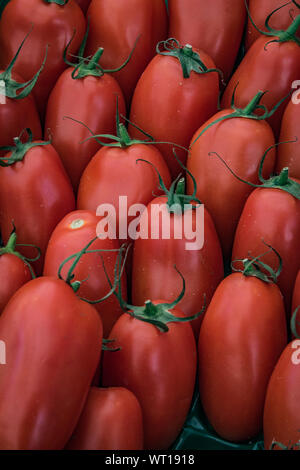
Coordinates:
(280, 51)
(271, 215)
(229, 135)
(53, 344)
(35, 194)
(177, 93)
(70, 236)
(235, 359)
(158, 365)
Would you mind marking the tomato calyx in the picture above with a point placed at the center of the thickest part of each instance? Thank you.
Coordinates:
(177, 201)
(58, 2)
(90, 66)
(106, 345)
(248, 112)
(158, 314)
(12, 89)
(279, 35)
(19, 149)
(189, 60)
(252, 267)
(75, 285)
(281, 181)
(10, 248)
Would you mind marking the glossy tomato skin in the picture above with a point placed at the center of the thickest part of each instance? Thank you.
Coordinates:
(282, 405)
(260, 9)
(257, 71)
(13, 274)
(272, 216)
(241, 337)
(170, 108)
(116, 26)
(53, 344)
(70, 236)
(288, 154)
(115, 172)
(214, 27)
(153, 272)
(48, 24)
(223, 195)
(16, 115)
(159, 368)
(35, 194)
(111, 420)
(94, 106)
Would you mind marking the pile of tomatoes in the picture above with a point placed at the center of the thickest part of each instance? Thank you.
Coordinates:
(172, 106)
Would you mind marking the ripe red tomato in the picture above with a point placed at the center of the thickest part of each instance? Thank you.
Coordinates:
(116, 26)
(49, 24)
(170, 107)
(241, 337)
(273, 216)
(35, 194)
(95, 106)
(214, 27)
(159, 368)
(289, 153)
(53, 344)
(115, 172)
(282, 405)
(15, 270)
(153, 272)
(259, 11)
(111, 420)
(257, 71)
(70, 236)
(223, 195)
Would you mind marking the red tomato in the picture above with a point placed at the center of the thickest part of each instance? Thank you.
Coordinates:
(84, 4)
(289, 153)
(14, 271)
(153, 272)
(223, 195)
(70, 236)
(35, 194)
(296, 301)
(17, 114)
(259, 11)
(159, 368)
(115, 172)
(95, 106)
(241, 337)
(282, 405)
(273, 216)
(116, 26)
(49, 24)
(257, 71)
(170, 107)
(214, 27)
(53, 344)
(111, 420)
